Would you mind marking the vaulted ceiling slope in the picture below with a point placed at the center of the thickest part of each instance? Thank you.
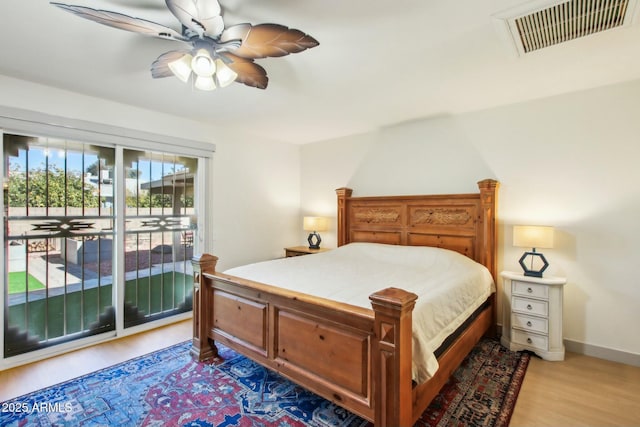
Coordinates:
(378, 63)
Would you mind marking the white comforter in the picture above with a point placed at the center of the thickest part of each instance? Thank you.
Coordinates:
(449, 286)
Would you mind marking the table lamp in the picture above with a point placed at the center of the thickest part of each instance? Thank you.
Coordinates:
(315, 224)
(533, 236)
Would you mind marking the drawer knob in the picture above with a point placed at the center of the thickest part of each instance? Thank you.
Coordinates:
(529, 290)
(529, 340)
(529, 307)
(529, 324)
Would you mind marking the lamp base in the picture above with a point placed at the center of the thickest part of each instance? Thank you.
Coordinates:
(314, 240)
(533, 273)
(530, 271)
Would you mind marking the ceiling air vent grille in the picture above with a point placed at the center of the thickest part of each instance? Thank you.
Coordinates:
(570, 20)
(541, 23)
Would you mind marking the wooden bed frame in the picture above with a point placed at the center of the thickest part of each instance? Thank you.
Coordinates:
(358, 358)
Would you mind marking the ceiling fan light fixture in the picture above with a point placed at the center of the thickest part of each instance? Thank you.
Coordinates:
(224, 74)
(205, 83)
(216, 55)
(181, 68)
(202, 64)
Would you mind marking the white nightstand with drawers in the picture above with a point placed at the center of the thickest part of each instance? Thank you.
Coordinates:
(532, 314)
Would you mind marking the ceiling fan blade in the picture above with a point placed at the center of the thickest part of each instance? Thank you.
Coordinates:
(202, 17)
(235, 32)
(249, 73)
(264, 40)
(160, 67)
(123, 22)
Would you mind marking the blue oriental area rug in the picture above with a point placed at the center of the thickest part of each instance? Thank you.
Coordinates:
(168, 388)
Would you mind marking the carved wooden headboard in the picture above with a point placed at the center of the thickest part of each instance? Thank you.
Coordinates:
(464, 223)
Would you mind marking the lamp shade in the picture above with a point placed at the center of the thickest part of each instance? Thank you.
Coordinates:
(315, 223)
(202, 64)
(533, 236)
(205, 83)
(181, 68)
(224, 74)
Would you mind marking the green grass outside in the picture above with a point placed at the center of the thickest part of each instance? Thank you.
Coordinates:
(18, 282)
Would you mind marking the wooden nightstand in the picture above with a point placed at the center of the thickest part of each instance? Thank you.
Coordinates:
(532, 314)
(302, 250)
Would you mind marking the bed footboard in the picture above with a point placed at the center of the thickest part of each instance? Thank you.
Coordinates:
(358, 358)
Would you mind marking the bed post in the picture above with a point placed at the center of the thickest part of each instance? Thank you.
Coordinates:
(343, 194)
(202, 305)
(488, 202)
(391, 352)
(488, 189)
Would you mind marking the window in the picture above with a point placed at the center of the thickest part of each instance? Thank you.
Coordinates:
(98, 238)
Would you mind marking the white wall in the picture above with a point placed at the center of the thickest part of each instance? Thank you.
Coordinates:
(257, 200)
(569, 161)
(255, 184)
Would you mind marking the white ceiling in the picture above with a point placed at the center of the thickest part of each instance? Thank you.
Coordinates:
(378, 63)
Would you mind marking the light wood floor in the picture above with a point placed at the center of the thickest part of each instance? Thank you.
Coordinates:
(27, 378)
(581, 391)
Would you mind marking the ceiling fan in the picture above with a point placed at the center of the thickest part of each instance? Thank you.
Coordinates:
(214, 55)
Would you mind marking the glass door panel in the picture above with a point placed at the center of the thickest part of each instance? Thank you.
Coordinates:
(58, 198)
(160, 223)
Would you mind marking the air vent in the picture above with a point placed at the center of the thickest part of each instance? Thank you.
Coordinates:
(533, 28)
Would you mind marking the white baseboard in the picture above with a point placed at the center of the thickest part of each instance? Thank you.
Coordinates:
(605, 353)
(602, 352)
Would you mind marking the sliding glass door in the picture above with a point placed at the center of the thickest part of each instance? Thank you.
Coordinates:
(82, 234)
(160, 222)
